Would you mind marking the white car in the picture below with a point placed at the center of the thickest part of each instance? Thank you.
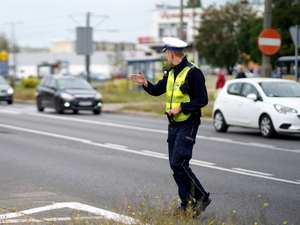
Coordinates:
(270, 104)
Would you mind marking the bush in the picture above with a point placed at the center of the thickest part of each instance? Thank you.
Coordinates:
(30, 82)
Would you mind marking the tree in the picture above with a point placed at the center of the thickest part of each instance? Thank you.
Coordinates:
(216, 39)
(193, 4)
(4, 44)
(285, 13)
(247, 39)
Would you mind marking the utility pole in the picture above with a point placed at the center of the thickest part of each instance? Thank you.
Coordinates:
(195, 52)
(14, 51)
(181, 21)
(87, 56)
(13, 47)
(266, 59)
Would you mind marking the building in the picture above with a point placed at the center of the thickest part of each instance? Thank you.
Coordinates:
(165, 22)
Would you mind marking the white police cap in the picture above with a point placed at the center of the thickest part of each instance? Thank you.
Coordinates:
(173, 44)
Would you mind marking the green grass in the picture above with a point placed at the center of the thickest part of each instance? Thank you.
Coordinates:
(148, 207)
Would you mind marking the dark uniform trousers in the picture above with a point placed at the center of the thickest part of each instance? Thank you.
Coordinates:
(181, 139)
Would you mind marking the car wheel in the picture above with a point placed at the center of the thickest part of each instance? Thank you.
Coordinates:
(39, 106)
(219, 122)
(9, 102)
(97, 111)
(266, 127)
(58, 107)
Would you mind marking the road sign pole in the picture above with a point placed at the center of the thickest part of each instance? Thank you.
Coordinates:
(296, 53)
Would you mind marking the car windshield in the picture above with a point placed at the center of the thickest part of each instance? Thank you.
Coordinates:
(2, 80)
(74, 84)
(281, 89)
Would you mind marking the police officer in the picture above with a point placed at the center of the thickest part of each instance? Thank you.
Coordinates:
(186, 94)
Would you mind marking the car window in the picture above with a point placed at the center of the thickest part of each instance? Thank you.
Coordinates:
(234, 89)
(2, 80)
(51, 83)
(74, 84)
(248, 89)
(43, 81)
(281, 89)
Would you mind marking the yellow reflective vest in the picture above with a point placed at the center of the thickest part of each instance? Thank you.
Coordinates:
(174, 96)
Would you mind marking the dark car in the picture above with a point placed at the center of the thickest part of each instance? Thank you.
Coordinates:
(67, 93)
(6, 91)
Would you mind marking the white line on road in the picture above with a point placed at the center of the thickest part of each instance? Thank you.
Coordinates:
(115, 145)
(254, 172)
(218, 139)
(118, 148)
(9, 112)
(71, 205)
(154, 153)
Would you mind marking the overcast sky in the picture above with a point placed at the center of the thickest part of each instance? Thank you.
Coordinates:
(38, 22)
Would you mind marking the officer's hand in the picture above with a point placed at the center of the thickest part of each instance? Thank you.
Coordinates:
(174, 111)
(139, 78)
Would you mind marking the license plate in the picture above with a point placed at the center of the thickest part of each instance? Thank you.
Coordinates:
(85, 103)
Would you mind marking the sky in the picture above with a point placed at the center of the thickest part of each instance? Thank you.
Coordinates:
(35, 23)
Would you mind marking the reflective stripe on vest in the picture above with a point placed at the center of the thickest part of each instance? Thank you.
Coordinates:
(174, 95)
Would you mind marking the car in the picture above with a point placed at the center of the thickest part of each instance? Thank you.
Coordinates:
(6, 91)
(269, 104)
(67, 93)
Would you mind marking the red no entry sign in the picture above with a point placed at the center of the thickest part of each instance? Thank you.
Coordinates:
(269, 41)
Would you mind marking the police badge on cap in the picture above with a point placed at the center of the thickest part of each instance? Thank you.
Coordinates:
(173, 44)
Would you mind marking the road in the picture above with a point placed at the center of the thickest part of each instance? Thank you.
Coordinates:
(111, 161)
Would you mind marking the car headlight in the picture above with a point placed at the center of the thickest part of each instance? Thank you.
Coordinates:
(284, 109)
(66, 96)
(98, 96)
(10, 91)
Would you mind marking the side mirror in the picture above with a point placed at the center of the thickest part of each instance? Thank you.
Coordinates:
(252, 96)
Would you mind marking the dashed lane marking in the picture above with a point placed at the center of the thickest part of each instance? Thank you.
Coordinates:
(217, 139)
(147, 153)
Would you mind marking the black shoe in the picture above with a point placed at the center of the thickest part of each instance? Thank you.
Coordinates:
(184, 212)
(200, 206)
(179, 212)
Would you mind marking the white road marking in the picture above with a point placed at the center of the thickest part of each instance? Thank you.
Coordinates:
(154, 153)
(71, 205)
(118, 148)
(200, 163)
(254, 172)
(9, 112)
(218, 139)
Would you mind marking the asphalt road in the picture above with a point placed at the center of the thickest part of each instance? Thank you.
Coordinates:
(111, 160)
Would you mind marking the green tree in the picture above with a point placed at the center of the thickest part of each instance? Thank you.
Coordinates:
(219, 26)
(247, 39)
(285, 13)
(193, 4)
(4, 44)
